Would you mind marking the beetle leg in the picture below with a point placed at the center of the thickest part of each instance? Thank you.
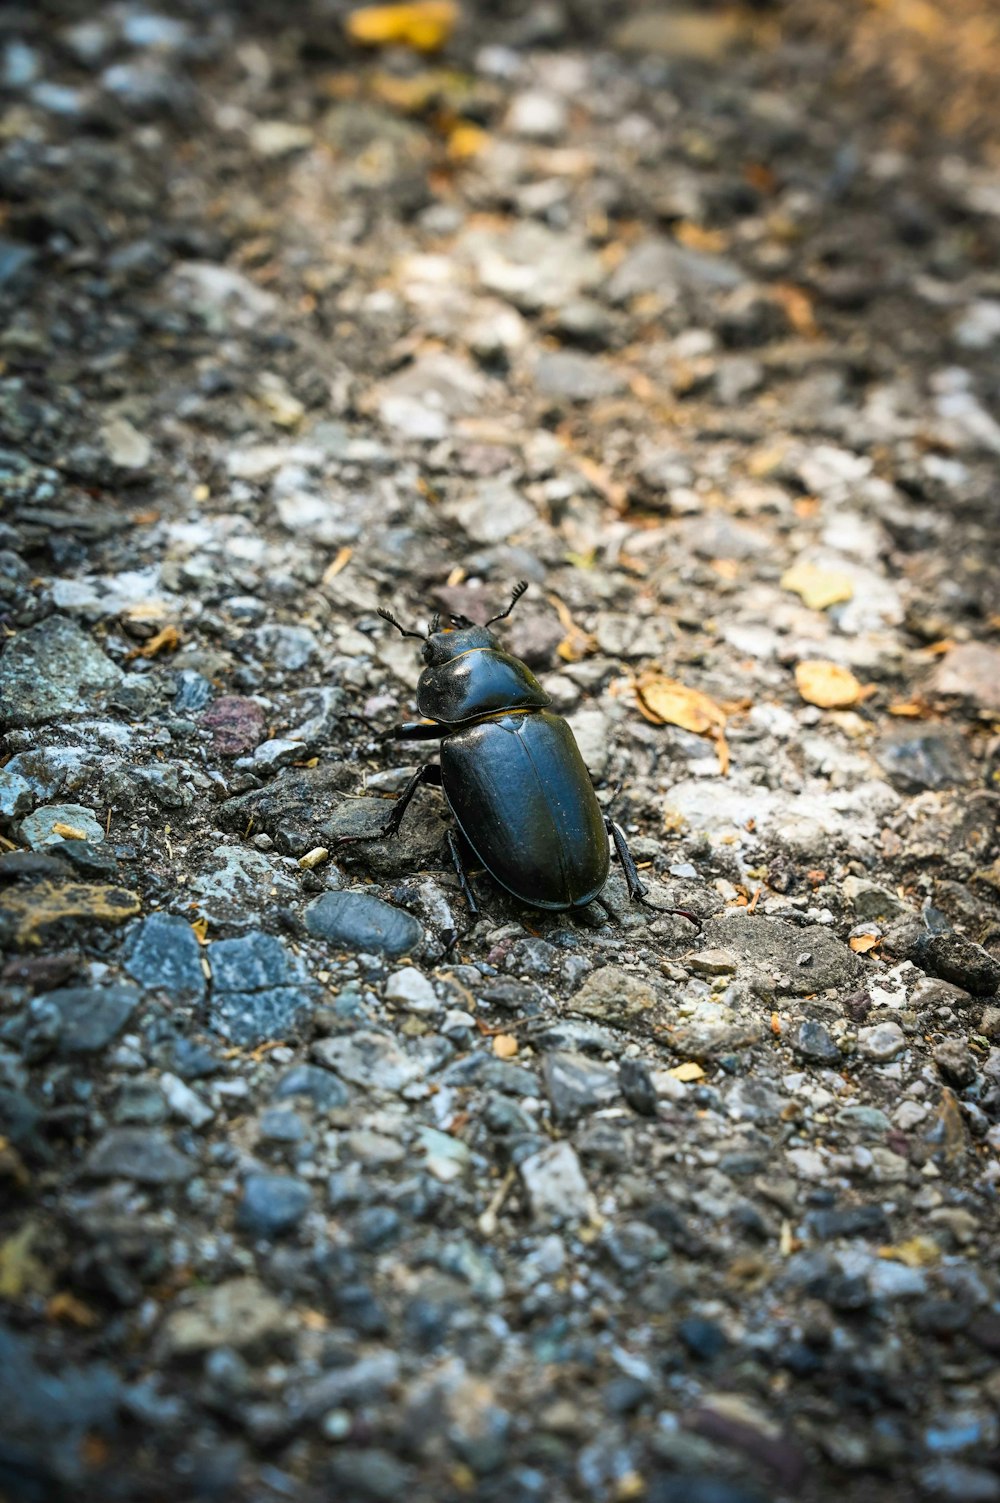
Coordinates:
(429, 774)
(462, 874)
(636, 887)
(415, 730)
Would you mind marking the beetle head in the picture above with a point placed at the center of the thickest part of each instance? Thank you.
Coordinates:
(442, 643)
(445, 643)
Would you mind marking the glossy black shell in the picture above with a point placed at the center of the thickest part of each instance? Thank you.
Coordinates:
(481, 681)
(522, 796)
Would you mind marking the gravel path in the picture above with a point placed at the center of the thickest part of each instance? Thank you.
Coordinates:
(312, 1185)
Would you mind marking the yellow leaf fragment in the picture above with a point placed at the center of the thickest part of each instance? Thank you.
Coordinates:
(200, 927)
(425, 25)
(66, 1307)
(688, 1071)
(505, 1046)
(466, 141)
(818, 588)
(862, 943)
(827, 684)
(167, 640)
(68, 832)
(337, 564)
(577, 642)
(917, 1252)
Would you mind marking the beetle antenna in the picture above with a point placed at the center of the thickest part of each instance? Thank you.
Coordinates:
(435, 622)
(388, 616)
(519, 590)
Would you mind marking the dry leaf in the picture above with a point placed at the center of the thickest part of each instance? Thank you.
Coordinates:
(819, 588)
(200, 927)
(68, 832)
(827, 684)
(796, 305)
(666, 701)
(410, 95)
(66, 1306)
(917, 1252)
(505, 1046)
(688, 1071)
(862, 943)
(695, 237)
(466, 141)
(167, 640)
(337, 564)
(425, 25)
(577, 642)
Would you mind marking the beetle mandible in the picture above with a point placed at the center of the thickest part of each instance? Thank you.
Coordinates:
(511, 772)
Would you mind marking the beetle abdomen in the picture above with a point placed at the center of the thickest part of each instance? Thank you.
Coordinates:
(522, 796)
(480, 682)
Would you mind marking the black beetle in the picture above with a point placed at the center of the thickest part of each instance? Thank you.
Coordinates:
(511, 771)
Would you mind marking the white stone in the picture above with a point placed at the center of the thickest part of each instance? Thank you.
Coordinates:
(556, 1188)
(410, 989)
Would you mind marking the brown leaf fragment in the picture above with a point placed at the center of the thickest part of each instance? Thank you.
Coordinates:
(827, 685)
(577, 643)
(337, 564)
(166, 640)
(666, 701)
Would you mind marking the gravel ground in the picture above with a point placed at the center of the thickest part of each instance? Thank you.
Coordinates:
(314, 1184)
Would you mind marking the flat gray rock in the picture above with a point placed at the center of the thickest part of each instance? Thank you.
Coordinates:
(51, 670)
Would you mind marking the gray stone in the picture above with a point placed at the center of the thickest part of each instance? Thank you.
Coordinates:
(48, 1416)
(554, 1183)
(370, 1060)
(575, 1084)
(954, 1059)
(494, 512)
(814, 1043)
(163, 954)
(712, 963)
(321, 1087)
(358, 921)
(361, 1382)
(86, 1018)
(50, 671)
(666, 268)
(34, 776)
(925, 757)
(286, 647)
(259, 989)
(237, 877)
(883, 1041)
(183, 1102)
(568, 375)
(38, 828)
(272, 1205)
(150, 1158)
(412, 990)
(612, 994)
(638, 1087)
(797, 960)
(240, 1313)
(954, 958)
